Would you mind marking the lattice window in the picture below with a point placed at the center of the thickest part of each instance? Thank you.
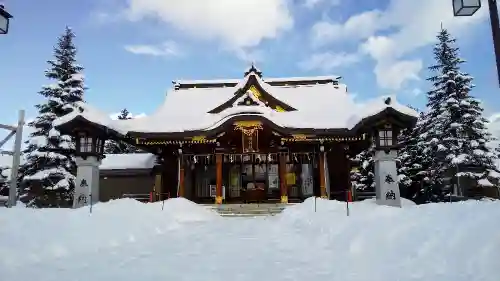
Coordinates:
(385, 137)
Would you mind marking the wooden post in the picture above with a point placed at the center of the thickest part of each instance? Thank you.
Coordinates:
(182, 192)
(180, 175)
(218, 182)
(348, 165)
(157, 189)
(322, 179)
(282, 172)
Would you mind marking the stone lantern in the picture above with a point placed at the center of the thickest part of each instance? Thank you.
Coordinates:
(386, 174)
(89, 146)
(89, 153)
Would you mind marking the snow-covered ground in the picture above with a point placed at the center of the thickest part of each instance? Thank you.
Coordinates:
(130, 241)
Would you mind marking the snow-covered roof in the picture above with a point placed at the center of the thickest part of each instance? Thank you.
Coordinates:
(319, 106)
(128, 161)
(110, 162)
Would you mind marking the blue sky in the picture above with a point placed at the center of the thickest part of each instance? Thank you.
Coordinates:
(133, 49)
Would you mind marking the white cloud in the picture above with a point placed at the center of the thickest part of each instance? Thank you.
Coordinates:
(167, 49)
(416, 92)
(328, 61)
(393, 74)
(249, 55)
(237, 23)
(494, 127)
(356, 27)
(409, 25)
(311, 4)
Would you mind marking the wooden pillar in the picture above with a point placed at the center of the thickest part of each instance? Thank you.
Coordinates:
(322, 178)
(218, 182)
(282, 172)
(254, 182)
(350, 191)
(182, 192)
(157, 189)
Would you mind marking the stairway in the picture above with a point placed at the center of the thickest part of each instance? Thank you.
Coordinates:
(248, 210)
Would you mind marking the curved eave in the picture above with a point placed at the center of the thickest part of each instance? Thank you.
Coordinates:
(227, 125)
(400, 119)
(82, 123)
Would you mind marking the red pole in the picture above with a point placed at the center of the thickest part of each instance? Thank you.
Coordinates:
(151, 197)
(349, 195)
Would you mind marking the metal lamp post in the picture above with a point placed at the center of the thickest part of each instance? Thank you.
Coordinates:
(4, 20)
(469, 8)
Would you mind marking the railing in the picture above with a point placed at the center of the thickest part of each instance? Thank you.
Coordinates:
(362, 195)
(147, 197)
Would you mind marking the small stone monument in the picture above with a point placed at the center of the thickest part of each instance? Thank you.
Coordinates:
(87, 181)
(386, 184)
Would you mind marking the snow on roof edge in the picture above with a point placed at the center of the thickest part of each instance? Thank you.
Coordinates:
(84, 110)
(128, 161)
(268, 80)
(110, 162)
(377, 105)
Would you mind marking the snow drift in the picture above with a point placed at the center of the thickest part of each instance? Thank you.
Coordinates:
(126, 240)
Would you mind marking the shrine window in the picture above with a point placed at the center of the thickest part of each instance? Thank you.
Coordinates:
(385, 137)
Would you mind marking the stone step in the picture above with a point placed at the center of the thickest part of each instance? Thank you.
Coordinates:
(245, 215)
(248, 210)
(249, 206)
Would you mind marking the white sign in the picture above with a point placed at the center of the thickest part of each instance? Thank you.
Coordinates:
(307, 180)
(273, 177)
(213, 191)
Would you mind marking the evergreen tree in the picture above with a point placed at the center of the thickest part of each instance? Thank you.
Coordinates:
(454, 134)
(413, 163)
(120, 147)
(4, 185)
(363, 178)
(47, 174)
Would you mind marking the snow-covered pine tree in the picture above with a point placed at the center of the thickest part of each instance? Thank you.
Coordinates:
(4, 185)
(120, 147)
(363, 178)
(454, 131)
(47, 174)
(412, 163)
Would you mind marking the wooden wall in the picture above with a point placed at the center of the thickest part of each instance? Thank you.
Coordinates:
(115, 184)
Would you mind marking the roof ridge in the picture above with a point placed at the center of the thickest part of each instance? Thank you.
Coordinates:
(271, 81)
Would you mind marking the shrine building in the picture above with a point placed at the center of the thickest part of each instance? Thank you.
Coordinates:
(254, 139)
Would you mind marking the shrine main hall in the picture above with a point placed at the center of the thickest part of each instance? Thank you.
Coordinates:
(253, 139)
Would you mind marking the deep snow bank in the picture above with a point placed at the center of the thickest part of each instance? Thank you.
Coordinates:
(313, 206)
(128, 241)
